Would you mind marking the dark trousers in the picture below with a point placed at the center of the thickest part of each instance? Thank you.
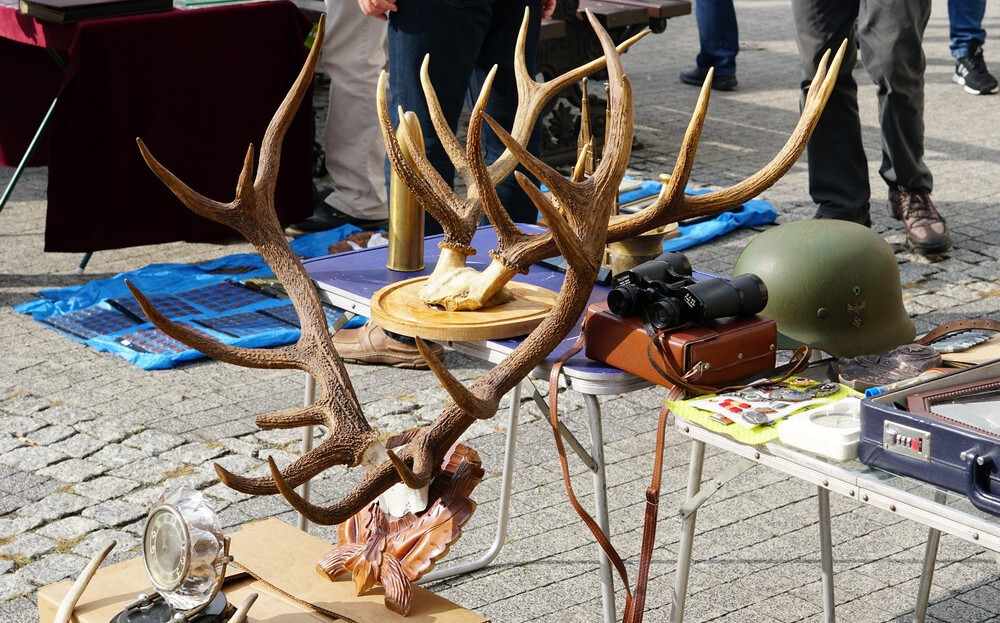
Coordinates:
(464, 39)
(889, 34)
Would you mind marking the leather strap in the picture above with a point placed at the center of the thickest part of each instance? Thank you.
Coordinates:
(799, 362)
(956, 326)
(602, 539)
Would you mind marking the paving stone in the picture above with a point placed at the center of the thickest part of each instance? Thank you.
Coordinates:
(117, 455)
(19, 425)
(114, 513)
(8, 442)
(54, 568)
(14, 585)
(107, 430)
(50, 434)
(154, 442)
(195, 453)
(73, 470)
(149, 470)
(12, 526)
(31, 458)
(29, 545)
(106, 487)
(56, 506)
(78, 446)
(68, 528)
(63, 414)
(24, 405)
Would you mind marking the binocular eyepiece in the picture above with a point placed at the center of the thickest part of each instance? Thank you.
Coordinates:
(665, 290)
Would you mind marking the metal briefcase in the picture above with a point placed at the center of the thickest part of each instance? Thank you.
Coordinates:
(940, 444)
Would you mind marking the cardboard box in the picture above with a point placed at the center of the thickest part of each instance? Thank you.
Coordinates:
(290, 589)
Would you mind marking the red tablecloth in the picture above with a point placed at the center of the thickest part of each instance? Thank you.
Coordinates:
(198, 86)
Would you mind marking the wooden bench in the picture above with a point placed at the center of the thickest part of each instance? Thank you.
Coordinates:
(567, 41)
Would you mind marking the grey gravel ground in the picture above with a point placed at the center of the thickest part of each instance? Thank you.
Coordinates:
(87, 441)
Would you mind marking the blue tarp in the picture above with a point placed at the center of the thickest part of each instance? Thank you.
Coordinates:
(208, 297)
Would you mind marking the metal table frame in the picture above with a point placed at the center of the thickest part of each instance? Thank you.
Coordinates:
(939, 510)
(348, 280)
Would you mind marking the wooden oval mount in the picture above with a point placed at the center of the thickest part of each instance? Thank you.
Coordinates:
(398, 308)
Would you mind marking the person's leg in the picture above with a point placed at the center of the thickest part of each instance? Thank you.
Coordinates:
(498, 49)
(891, 38)
(965, 21)
(718, 36)
(353, 56)
(451, 32)
(838, 169)
(719, 43)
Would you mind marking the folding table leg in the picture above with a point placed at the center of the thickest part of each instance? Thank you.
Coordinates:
(503, 513)
(27, 156)
(826, 555)
(601, 502)
(927, 573)
(695, 465)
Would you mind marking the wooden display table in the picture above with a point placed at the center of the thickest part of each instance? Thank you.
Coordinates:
(290, 590)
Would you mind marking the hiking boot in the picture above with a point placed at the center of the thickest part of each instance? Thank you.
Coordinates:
(369, 344)
(926, 231)
(696, 77)
(971, 73)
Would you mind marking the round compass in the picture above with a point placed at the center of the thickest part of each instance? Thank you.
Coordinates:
(832, 431)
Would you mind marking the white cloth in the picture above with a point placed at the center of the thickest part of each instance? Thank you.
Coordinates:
(353, 55)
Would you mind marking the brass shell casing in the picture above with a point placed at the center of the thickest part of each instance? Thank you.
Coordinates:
(406, 215)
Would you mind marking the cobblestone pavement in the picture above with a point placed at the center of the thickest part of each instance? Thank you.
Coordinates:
(87, 441)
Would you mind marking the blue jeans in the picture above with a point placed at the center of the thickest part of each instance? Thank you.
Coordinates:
(718, 36)
(464, 39)
(965, 18)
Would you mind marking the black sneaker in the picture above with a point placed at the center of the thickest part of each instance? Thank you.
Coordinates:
(696, 77)
(926, 231)
(325, 217)
(971, 73)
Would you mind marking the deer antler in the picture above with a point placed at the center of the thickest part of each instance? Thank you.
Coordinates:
(516, 251)
(351, 440)
(578, 225)
(447, 285)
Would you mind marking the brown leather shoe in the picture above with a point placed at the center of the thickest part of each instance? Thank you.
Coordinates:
(926, 230)
(369, 344)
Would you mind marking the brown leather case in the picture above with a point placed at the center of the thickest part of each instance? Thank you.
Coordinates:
(712, 353)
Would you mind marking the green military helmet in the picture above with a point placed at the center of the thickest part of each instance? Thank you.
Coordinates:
(831, 284)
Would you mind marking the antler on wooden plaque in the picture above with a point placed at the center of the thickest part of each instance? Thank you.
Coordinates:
(577, 219)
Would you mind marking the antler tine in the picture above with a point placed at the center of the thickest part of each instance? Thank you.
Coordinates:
(533, 95)
(779, 165)
(425, 183)
(372, 485)
(471, 404)
(270, 148)
(334, 450)
(275, 358)
(673, 190)
(448, 139)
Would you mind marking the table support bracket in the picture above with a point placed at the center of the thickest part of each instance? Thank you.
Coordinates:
(694, 502)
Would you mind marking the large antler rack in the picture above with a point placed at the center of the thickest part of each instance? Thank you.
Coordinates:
(579, 225)
(451, 284)
(465, 288)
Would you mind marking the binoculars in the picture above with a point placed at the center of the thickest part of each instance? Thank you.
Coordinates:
(663, 290)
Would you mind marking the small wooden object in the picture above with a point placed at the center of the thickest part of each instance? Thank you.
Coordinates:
(399, 308)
